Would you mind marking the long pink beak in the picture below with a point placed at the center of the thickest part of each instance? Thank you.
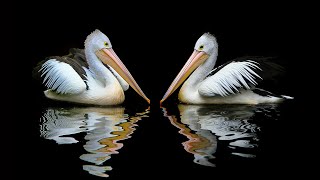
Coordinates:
(108, 56)
(195, 60)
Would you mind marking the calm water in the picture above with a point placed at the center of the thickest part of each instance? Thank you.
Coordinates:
(178, 140)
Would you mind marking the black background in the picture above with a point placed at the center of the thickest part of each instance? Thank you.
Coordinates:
(154, 42)
(155, 46)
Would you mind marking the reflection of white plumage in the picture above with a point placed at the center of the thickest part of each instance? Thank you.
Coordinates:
(58, 123)
(232, 83)
(208, 124)
(228, 123)
(104, 127)
(95, 75)
(189, 116)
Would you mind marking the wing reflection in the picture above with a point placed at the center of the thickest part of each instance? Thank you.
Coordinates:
(104, 128)
(205, 125)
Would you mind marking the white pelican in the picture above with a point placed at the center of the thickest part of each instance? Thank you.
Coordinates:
(232, 83)
(81, 76)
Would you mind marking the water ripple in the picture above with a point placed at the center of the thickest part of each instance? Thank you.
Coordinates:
(104, 128)
(205, 125)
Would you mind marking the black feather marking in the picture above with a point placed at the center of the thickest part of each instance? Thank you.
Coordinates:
(109, 68)
(76, 59)
(215, 70)
(268, 71)
(262, 92)
(269, 68)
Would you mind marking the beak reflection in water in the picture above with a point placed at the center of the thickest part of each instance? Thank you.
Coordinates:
(205, 125)
(104, 128)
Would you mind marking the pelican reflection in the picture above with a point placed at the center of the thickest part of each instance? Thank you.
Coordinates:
(104, 127)
(206, 125)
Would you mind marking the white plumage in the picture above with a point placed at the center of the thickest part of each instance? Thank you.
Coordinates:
(62, 77)
(230, 78)
(95, 75)
(232, 83)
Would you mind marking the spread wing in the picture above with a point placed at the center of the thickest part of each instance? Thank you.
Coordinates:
(64, 74)
(230, 78)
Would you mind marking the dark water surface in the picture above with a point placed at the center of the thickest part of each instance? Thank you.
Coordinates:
(182, 141)
(101, 132)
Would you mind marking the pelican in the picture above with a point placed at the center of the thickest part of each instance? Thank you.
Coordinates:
(94, 75)
(231, 83)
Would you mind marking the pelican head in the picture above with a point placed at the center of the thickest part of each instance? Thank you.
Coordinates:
(205, 46)
(97, 41)
(100, 45)
(206, 43)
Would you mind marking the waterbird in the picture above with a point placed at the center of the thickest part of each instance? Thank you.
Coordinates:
(94, 75)
(231, 83)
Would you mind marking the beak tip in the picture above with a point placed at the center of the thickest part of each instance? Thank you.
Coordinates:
(161, 102)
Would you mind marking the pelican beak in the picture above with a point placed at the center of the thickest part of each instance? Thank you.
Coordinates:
(109, 57)
(195, 60)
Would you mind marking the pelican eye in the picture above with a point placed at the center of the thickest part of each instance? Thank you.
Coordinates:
(201, 47)
(106, 44)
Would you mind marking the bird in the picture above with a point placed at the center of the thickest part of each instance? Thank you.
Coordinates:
(234, 82)
(94, 75)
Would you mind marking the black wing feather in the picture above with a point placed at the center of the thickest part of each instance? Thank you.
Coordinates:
(269, 70)
(76, 59)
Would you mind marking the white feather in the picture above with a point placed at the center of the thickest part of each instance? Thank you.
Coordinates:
(62, 78)
(230, 79)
